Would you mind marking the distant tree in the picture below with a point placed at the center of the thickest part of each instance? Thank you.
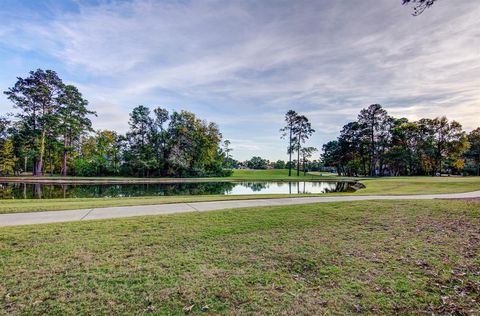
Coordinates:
(373, 120)
(403, 154)
(332, 155)
(99, 154)
(279, 164)
(160, 137)
(307, 153)
(473, 152)
(193, 146)
(7, 158)
(302, 131)
(4, 124)
(444, 142)
(37, 99)
(73, 120)
(257, 163)
(227, 150)
(419, 5)
(287, 131)
(140, 137)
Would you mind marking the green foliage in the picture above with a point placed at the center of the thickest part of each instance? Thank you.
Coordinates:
(54, 131)
(279, 164)
(38, 98)
(7, 158)
(473, 153)
(378, 144)
(257, 163)
(297, 129)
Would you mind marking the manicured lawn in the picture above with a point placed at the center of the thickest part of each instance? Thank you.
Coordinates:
(419, 185)
(390, 257)
(273, 174)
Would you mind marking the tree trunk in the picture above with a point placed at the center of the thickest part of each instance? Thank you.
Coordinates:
(304, 171)
(39, 167)
(298, 153)
(298, 160)
(372, 152)
(65, 154)
(290, 154)
(34, 166)
(64, 164)
(478, 166)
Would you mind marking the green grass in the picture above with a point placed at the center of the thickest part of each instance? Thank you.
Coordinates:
(272, 174)
(419, 185)
(383, 257)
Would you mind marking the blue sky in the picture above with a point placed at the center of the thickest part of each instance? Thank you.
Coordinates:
(243, 64)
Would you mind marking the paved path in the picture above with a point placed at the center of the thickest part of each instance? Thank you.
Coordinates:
(161, 209)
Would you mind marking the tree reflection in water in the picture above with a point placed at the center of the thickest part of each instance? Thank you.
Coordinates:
(51, 191)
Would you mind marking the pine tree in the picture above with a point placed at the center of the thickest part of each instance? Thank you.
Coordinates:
(7, 158)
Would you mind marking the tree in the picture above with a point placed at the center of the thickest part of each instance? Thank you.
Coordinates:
(73, 119)
(373, 120)
(419, 5)
(403, 154)
(99, 154)
(139, 137)
(4, 124)
(257, 163)
(332, 156)
(302, 131)
(353, 148)
(161, 137)
(193, 146)
(227, 150)
(397, 146)
(444, 142)
(307, 152)
(37, 98)
(279, 164)
(474, 151)
(287, 131)
(7, 158)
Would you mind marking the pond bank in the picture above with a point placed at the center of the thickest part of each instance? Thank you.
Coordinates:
(164, 209)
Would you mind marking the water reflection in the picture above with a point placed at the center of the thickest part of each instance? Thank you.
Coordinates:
(51, 191)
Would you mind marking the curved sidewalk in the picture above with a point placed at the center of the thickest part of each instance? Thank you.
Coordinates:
(162, 209)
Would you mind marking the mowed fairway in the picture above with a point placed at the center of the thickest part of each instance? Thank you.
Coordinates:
(419, 185)
(391, 257)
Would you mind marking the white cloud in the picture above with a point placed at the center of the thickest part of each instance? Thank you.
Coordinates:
(244, 64)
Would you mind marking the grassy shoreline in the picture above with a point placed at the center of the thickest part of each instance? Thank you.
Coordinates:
(376, 257)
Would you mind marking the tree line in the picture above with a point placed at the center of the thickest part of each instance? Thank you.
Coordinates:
(257, 162)
(377, 144)
(51, 133)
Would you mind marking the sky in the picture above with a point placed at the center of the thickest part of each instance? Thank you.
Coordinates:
(243, 64)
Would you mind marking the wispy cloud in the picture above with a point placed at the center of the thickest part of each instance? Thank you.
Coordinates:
(243, 64)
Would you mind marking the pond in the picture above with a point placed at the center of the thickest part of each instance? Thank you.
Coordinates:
(53, 191)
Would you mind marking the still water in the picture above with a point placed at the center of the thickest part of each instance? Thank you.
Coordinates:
(53, 191)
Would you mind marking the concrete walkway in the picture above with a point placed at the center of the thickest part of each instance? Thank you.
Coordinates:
(162, 209)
